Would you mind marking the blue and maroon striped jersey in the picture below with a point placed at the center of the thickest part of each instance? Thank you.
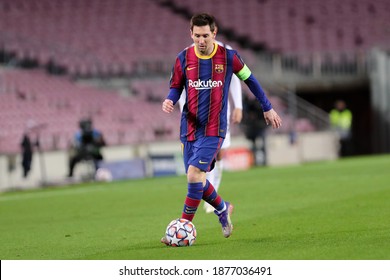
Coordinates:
(206, 80)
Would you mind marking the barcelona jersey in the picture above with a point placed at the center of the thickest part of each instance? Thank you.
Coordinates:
(206, 80)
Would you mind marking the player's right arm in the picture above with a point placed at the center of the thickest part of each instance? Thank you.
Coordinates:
(176, 87)
(167, 106)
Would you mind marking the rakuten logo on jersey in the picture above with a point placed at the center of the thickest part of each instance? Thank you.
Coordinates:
(199, 84)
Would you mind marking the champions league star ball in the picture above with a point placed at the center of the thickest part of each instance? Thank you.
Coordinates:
(103, 175)
(180, 233)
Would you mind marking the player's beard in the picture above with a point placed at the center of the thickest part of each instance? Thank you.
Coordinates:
(205, 49)
(202, 49)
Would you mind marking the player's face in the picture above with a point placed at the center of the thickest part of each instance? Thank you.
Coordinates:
(203, 39)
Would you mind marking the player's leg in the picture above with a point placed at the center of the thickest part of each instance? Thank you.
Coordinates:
(215, 175)
(195, 182)
(218, 170)
(200, 157)
(195, 179)
(212, 198)
(222, 209)
(205, 153)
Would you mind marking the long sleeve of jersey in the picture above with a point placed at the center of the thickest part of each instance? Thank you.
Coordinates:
(176, 82)
(257, 90)
(244, 73)
(174, 95)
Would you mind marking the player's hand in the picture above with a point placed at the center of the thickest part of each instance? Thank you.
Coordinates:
(272, 118)
(237, 115)
(167, 106)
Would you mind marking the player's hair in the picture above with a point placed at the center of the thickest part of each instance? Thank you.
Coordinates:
(203, 19)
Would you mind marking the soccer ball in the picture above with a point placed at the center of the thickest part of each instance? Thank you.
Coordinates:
(103, 175)
(180, 233)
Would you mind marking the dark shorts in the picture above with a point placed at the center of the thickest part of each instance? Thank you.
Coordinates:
(201, 152)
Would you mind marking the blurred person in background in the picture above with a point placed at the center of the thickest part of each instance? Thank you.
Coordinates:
(87, 144)
(235, 92)
(254, 128)
(341, 121)
(205, 70)
(27, 147)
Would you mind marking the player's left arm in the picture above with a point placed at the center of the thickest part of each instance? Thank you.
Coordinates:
(244, 73)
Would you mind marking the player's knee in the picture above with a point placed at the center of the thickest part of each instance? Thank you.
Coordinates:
(194, 174)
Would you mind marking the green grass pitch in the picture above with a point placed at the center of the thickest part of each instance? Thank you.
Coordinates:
(321, 211)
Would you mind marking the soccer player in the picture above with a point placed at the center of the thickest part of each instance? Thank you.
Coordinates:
(215, 175)
(205, 70)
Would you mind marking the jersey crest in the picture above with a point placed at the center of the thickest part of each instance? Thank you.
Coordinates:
(219, 68)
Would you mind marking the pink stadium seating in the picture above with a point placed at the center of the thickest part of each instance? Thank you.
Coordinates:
(100, 37)
(58, 104)
(302, 25)
(89, 37)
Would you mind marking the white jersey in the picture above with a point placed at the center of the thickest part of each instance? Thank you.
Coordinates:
(235, 94)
